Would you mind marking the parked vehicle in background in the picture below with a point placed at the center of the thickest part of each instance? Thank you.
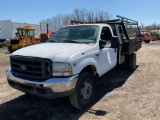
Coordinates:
(155, 35)
(146, 37)
(73, 58)
(25, 36)
(152, 34)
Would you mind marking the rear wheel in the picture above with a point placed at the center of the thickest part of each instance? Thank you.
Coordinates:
(84, 91)
(132, 61)
(147, 41)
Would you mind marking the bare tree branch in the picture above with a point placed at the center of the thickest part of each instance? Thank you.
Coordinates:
(83, 15)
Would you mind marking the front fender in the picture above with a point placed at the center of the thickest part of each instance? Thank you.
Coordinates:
(84, 63)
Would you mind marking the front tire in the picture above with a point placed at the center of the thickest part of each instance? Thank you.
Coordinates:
(84, 92)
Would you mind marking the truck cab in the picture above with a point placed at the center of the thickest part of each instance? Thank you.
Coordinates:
(70, 62)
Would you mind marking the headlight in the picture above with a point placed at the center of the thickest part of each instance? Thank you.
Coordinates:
(61, 69)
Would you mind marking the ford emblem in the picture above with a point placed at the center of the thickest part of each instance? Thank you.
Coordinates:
(23, 67)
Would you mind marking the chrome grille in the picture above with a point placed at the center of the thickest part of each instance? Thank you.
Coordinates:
(30, 67)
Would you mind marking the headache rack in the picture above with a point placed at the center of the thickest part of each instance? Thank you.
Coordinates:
(114, 21)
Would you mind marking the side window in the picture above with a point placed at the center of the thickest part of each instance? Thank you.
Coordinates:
(106, 34)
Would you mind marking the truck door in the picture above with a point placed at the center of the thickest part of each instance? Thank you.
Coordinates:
(107, 55)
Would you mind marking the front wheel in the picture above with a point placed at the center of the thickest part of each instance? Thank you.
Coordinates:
(84, 91)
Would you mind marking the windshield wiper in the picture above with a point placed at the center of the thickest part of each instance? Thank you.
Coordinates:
(51, 41)
(70, 41)
(64, 41)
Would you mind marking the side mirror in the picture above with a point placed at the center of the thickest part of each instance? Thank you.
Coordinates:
(115, 42)
(102, 44)
(119, 33)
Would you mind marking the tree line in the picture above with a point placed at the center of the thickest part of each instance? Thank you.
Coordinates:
(83, 15)
(153, 26)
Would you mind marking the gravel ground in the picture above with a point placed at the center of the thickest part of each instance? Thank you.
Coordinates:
(121, 94)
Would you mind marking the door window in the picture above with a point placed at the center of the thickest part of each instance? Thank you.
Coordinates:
(106, 36)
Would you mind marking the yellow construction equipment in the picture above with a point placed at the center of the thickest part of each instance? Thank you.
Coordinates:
(23, 37)
(155, 35)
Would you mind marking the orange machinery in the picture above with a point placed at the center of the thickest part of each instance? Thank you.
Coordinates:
(25, 36)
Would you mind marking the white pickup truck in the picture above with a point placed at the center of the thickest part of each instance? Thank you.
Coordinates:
(72, 60)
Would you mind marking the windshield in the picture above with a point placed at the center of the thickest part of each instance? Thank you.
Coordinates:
(30, 33)
(21, 33)
(76, 34)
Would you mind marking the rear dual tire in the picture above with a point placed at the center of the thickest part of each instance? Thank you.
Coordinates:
(132, 61)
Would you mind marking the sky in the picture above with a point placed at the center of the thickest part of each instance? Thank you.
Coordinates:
(33, 11)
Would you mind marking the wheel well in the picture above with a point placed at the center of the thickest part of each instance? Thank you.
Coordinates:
(90, 69)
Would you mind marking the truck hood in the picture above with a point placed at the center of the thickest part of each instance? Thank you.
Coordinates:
(57, 52)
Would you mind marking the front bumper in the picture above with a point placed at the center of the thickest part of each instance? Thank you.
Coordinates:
(50, 88)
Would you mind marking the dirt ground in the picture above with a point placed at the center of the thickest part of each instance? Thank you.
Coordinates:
(121, 94)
